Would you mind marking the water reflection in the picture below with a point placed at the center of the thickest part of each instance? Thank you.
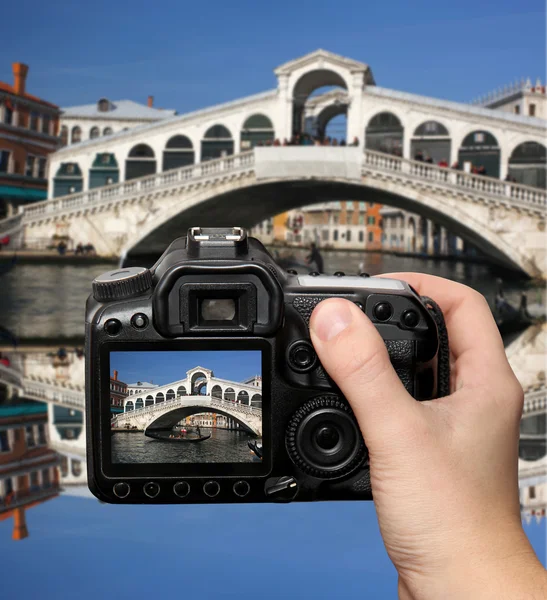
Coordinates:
(42, 426)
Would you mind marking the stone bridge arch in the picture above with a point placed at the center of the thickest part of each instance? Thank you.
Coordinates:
(486, 227)
(171, 417)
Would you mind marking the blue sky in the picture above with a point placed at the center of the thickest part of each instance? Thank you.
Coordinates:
(190, 55)
(164, 367)
(81, 549)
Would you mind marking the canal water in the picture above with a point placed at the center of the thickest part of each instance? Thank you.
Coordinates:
(224, 445)
(48, 301)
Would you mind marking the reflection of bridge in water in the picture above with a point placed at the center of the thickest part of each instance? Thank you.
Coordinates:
(199, 392)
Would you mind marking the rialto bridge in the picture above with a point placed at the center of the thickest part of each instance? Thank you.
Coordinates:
(199, 392)
(133, 192)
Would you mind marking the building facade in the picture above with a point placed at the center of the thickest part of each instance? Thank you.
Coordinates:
(106, 117)
(28, 134)
(118, 393)
(28, 468)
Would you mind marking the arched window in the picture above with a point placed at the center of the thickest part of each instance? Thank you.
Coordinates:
(217, 142)
(256, 400)
(257, 129)
(181, 391)
(107, 131)
(411, 228)
(384, 133)
(149, 400)
(216, 392)
(76, 468)
(104, 171)
(243, 397)
(170, 395)
(94, 133)
(527, 164)
(229, 394)
(480, 149)
(139, 403)
(431, 143)
(76, 134)
(160, 397)
(64, 135)
(178, 152)
(197, 383)
(140, 162)
(67, 180)
(129, 405)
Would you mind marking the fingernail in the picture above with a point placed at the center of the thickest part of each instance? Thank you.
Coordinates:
(330, 319)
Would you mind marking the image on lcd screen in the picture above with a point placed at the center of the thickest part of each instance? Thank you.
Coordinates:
(186, 406)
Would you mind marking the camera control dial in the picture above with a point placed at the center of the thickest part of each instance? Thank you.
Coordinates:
(121, 284)
(323, 438)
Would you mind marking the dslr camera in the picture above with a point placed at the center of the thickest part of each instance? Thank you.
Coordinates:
(202, 385)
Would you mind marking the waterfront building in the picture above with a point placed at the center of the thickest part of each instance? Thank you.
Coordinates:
(28, 468)
(118, 393)
(139, 387)
(106, 117)
(336, 225)
(28, 134)
(403, 231)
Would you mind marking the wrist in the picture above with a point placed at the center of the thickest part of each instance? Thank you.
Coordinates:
(507, 570)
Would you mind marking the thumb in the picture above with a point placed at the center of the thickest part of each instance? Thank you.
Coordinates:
(355, 356)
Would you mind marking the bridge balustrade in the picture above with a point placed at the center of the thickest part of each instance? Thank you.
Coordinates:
(459, 179)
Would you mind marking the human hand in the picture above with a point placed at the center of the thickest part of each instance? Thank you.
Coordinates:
(444, 473)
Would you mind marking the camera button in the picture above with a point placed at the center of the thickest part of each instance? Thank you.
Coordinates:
(121, 489)
(181, 489)
(292, 271)
(112, 327)
(241, 488)
(383, 311)
(315, 274)
(151, 489)
(339, 274)
(363, 274)
(410, 318)
(302, 357)
(211, 488)
(139, 321)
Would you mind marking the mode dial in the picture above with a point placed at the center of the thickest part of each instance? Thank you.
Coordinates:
(121, 283)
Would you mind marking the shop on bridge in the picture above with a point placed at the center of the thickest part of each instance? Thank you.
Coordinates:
(480, 149)
(385, 133)
(68, 180)
(179, 152)
(217, 142)
(527, 164)
(140, 162)
(104, 170)
(431, 140)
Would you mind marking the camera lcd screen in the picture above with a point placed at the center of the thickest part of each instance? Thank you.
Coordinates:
(191, 407)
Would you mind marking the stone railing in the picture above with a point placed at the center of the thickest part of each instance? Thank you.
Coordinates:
(11, 225)
(48, 392)
(127, 189)
(208, 401)
(513, 193)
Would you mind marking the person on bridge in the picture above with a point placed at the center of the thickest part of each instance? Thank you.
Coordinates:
(444, 473)
(315, 257)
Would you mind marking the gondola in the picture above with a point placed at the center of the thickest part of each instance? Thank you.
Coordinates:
(161, 438)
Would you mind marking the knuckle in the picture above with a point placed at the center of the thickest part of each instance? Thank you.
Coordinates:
(365, 362)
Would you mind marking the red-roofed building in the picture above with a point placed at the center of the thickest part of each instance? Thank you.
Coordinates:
(29, 128)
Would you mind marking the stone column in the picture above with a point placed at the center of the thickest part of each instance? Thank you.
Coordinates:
(443, 249)
(355, 126)
(430, 237)
(285, 109)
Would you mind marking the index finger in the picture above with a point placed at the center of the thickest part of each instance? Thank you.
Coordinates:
(473, 334)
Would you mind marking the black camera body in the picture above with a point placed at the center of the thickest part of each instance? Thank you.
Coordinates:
(229, 402)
